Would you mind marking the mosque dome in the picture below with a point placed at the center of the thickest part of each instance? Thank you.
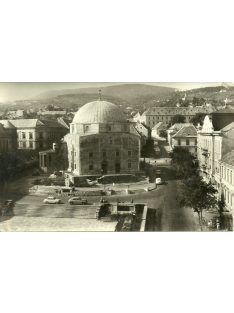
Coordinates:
(99, 112)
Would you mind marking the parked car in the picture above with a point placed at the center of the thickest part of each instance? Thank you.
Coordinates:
(158, 181)
(52, 200)
(77, 200)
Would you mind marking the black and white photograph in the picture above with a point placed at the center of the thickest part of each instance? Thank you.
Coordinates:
(117, 156)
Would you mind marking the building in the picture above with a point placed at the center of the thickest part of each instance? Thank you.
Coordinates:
(158, 129)
(216, 158)
(227, 180)
(5, 140)
(212, 145)
(52, 113)
(8, 137)
(15, 114)
(54, 159)
(186, 138)
(174, 129)
(155, 115)
(35, 134)
(101, 141)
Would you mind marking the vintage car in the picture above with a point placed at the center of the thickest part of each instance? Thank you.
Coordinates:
(77, 200)
(52, 200)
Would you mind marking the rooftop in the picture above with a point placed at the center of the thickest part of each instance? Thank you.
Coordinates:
(228, 127)
(178, 110)
(186, 131)
(178, 126)
(229, 158)
(99, 112)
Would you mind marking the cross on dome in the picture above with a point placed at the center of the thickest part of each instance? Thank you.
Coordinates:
(100, 94)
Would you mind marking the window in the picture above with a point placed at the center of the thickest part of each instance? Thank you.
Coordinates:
(117, 153)
(24, 144)
(49, 159)
(90, 154)
(129, 153)
(109, 128)
(187, 142)
(104, 154)
(23, 135)
(129, 165)
(91, 167)
(30, 144)
(179, 142)
(86, 128)
(40, 135)
(30, 135)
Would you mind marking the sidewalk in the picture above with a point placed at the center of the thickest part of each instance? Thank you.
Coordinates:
(123, 188)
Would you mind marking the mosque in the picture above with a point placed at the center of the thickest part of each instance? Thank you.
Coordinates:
(102, 141)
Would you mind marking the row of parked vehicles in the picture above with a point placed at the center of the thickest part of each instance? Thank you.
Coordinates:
(73, 200)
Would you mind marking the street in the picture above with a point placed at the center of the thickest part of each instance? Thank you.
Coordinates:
(163, 215)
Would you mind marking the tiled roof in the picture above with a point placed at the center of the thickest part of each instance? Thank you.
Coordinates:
(52, 123)
(26, 123)
(157, 125)
(7, 124)
(228, 127)
(186, 131)
(229, 158)
(178, 111)
(178, 126)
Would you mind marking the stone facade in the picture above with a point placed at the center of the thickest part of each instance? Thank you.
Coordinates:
(216, 158)
(101, 141)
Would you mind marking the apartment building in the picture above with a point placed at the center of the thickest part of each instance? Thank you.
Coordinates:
(35, 134)
(155, 115)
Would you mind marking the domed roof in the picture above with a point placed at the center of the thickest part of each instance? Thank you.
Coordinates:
(99, 112)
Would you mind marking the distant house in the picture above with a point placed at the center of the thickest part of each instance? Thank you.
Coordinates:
(186, 138)
(15, 114)
(174, 129)
(51, 113)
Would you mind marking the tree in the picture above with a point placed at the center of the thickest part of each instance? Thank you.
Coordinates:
(178, 119)
(198, 118)
(198, 195)
(183, 163)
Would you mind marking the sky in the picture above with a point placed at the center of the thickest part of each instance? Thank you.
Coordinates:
(21, 91)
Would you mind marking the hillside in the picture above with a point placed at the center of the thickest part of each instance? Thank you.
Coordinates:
(126, 92)
(134, 97)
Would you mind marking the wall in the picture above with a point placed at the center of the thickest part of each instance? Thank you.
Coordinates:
(87, 153)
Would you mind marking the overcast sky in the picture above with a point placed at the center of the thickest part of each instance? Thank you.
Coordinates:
(19, 91)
